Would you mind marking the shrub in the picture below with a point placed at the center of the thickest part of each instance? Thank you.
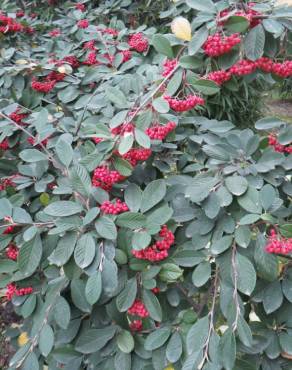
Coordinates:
(135, 232)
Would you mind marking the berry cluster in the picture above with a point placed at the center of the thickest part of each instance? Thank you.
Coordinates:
(168, 66)
(250, 14)
(6, 182)
(104, 178)
(55, 32)
(69, 59)
(137, 154)
(138, 42)
(8, 24)
(80, 6)
(109, 31)
(83, 23)
(127, 55)
(159, 132)
(89, 45)
(284, 69)
(219, 77)
(91, 59)
(265, 64)
(9, 230)
(55, 76)
(12, 252)
(159, 250)
(138, 309)
(217, 44)
(182, 105)
(243, 67)
(4, 144)
(277, 244)
(136, 325)
(43, 86)
(116, 208)
(122, 129)
(17, 117)
(12, 290)
(273, 141)
(32, 141)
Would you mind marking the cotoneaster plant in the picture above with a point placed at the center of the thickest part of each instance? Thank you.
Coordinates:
(135, 232)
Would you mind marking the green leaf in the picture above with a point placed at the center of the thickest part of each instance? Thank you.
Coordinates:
(269, 123)
(63, 208)
(78, 295)
(246, 274)
(170, 272)
(31, 362)
(106, 228)
(174, 83)
(237, 24)
(62, 313)
(249, 219)
(196, 43)
(131, 220)
(201, 274)
(93, 340)
(133, 197)
(84, 252)
(64, 249)
(273, 297)
(122, 166)
(160, 105)
(153, 194)
(93, 288)
(152, 304)
(125, 341)
(189, 62)
(32, 155)
(244, 332)
(46, 340)
(162, 45)
(142, 139)
(250, 201)
(174, 348)
(157, 338)
(64, 151)
(30, 255)
(126, 143)
(197, 335)
(206, 87)
(254, 43)
(228, 349)
(115, 95)
(221, 245)
(266, 263)
(286, 230)
(285, 342)
(80, 180)
(204, 6)
(267, 196)
(243, 236)
(68, 94)
(237, 185)
(127, 296)
(140, 240)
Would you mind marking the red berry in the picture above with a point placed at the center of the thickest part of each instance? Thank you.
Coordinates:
(12, 252)
(138, 309)
(218, 44)
(186, 104)
(138, 42)
(83, 23)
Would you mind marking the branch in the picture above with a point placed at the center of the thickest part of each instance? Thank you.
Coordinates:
(211, 324)
(235, 295)
(195, 306)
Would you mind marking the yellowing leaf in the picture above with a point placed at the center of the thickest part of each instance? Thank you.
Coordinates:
(181, 28)
(22, 339)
